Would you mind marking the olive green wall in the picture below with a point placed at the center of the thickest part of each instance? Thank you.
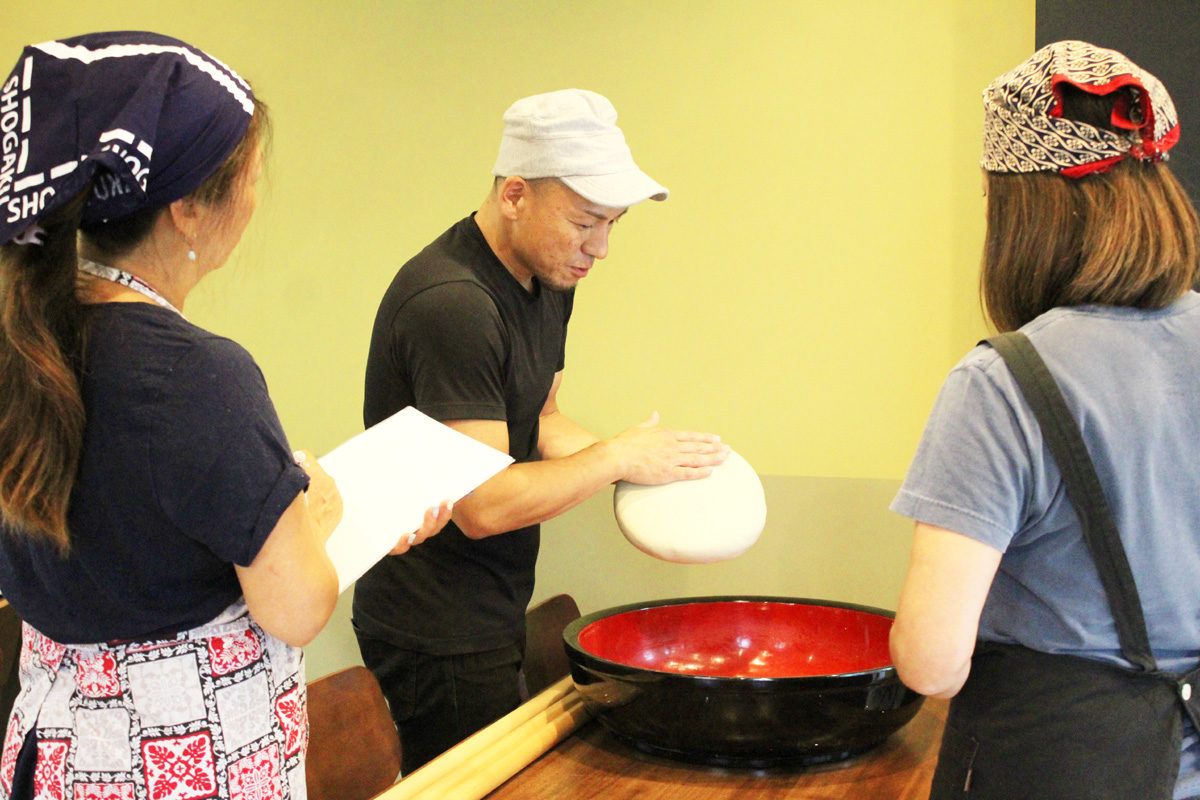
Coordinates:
(803, 292)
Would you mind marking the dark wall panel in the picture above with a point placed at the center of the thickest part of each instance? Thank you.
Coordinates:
(1161, 36)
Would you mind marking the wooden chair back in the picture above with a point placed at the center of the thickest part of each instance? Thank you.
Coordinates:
(10, 661)
(353, 746)
(545, 656)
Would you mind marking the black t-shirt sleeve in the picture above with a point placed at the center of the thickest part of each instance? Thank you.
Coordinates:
(223, 470)
(451, 340)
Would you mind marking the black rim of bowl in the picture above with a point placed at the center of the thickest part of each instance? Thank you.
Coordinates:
(841, 679)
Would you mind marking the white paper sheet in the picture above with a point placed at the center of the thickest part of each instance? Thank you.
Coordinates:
(389, 474)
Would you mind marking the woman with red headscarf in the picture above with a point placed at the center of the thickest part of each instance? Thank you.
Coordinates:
(1052, 588)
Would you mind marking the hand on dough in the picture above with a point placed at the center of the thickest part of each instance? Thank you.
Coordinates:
(652, 454)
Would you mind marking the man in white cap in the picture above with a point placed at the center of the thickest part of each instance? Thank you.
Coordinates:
(472, 332)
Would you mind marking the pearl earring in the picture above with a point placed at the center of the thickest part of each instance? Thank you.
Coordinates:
(191, 254)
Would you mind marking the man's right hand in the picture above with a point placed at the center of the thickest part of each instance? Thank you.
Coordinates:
(652, 454)
(531, 492)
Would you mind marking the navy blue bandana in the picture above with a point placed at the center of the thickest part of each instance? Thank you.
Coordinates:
(148, 116)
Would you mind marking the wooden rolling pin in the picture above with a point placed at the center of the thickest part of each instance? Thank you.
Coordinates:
(510, 755)
(480, 763)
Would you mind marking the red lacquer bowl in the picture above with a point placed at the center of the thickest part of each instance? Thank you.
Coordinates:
(741, 681)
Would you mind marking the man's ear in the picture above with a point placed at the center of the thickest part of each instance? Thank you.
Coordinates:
(511, 193)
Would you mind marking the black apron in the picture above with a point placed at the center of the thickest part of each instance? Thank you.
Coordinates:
(1032, 725)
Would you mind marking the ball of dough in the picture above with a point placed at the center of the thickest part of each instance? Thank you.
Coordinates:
(694, 522)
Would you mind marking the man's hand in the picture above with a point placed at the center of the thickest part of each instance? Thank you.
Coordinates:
(435, 519)
(651, 454)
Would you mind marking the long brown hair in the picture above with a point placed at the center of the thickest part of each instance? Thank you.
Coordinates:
(41, 346)
(1129, 237)
(43, 334)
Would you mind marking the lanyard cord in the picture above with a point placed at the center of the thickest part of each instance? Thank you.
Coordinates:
(125, 279)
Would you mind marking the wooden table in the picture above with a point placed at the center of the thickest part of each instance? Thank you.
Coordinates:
(592, 763)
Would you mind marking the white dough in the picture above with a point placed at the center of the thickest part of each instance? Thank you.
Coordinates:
(694, 522)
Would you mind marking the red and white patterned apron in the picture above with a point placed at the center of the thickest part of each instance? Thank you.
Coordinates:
(214, 712)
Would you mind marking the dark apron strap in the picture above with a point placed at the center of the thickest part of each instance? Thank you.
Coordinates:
(1065, 441)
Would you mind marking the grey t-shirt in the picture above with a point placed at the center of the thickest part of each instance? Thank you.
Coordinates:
(1132, 380)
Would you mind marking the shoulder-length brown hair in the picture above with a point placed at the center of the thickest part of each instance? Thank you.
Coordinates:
(1129, 237)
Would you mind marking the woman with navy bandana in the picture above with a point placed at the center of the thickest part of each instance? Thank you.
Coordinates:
(160, 541)
(1053, 590)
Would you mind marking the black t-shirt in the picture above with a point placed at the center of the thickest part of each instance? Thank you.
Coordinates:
(458, 337)
(185, 472)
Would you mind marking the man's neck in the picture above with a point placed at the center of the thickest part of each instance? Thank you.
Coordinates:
(495, 229)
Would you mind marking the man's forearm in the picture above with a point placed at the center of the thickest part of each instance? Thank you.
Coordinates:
(533, 492)
(560, 436)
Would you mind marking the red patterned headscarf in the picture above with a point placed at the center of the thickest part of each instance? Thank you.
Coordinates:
(1023, 129)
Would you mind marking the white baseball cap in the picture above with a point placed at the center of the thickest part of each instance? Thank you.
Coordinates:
(572, 135)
